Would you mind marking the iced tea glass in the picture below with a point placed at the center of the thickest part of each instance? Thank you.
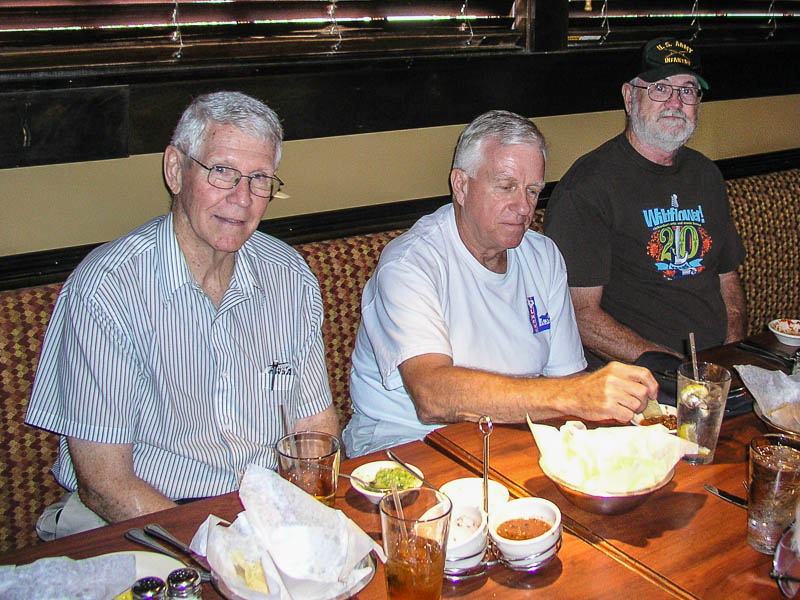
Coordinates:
(774, 488)
(310, 460)
(415, 542)
(701, 406)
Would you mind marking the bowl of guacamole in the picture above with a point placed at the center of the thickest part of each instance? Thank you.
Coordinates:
(379, 476)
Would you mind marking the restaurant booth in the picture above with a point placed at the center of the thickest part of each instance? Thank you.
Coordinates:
(370, 131)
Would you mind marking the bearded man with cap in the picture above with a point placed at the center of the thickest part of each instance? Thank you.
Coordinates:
(644, 224)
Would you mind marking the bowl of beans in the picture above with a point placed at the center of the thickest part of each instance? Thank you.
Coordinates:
(526, 533)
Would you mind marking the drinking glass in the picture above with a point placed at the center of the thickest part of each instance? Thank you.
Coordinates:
(701, 405)
(774, 488)
(310, 460)
(415, 541)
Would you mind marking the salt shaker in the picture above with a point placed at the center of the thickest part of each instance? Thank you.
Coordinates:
(184, 583)
(148, 588)
(796, 367)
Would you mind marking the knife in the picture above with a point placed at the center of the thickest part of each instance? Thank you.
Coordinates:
(783, 359)
(728, 497)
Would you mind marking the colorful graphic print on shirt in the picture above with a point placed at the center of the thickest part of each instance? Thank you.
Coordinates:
(538, 322)
(679, 240)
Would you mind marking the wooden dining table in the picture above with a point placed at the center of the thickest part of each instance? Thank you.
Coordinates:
(680, 543)
(573, 574)
(682, 537)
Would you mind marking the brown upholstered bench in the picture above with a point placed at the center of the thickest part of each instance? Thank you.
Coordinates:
(766, 209)
(342, 267)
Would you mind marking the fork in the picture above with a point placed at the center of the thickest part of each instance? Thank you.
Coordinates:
(140, 537)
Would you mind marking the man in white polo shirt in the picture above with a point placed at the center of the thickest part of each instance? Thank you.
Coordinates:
(468, 313)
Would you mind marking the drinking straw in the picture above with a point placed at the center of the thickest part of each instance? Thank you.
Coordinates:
(399, 506)
(694, 355)
(292, 441)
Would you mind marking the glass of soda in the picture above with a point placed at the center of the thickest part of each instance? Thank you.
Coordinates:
(310, 460)
(415, 525)
(774, 488)
(701, 405)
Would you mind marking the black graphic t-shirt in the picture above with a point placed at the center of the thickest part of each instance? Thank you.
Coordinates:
(656, 237)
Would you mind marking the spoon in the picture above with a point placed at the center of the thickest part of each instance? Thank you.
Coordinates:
(393, 457)
(367, 486)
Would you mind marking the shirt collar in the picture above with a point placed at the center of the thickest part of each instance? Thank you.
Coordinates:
(175, 273)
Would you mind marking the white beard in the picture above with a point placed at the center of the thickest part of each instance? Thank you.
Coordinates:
(650, 134)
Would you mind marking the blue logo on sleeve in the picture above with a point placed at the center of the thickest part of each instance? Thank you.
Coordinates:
(538, 322)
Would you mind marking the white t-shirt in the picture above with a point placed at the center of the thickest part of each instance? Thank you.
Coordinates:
(430, 295)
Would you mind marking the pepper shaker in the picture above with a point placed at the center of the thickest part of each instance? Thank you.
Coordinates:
(184, 583)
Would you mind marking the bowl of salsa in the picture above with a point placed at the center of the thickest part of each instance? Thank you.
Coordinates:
(526, 532)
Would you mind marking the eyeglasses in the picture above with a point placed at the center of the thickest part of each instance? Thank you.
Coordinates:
(661, 92)
(227, 178)
(786, 566)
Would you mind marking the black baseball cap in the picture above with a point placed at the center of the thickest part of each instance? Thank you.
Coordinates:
(665, 56)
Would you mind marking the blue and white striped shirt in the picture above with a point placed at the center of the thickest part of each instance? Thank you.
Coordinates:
(136, 353)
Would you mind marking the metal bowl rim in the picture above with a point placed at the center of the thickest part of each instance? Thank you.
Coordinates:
(641, 492)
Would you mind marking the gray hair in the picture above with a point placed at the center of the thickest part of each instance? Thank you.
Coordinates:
(500, 125)
(227, 108)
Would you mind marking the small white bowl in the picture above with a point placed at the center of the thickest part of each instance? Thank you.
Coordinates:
(367, 472)
(666, 409)
(531, 554)
(786, 330)
(469, 490)
(466, 543)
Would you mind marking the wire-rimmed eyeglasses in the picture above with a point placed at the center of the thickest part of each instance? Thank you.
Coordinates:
(226, 178)
(661, 92)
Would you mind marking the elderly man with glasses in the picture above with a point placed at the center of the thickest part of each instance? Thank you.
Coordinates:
(645, 228)
(468, 313)
(173, 351)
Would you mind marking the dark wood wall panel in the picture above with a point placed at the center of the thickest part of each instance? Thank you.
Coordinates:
(57, 126)
(324, 99)
(86, 116)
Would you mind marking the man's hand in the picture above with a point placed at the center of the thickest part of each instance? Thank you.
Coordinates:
(617, 391)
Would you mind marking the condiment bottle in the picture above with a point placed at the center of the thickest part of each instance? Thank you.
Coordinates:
(184, 583)
(149, 588)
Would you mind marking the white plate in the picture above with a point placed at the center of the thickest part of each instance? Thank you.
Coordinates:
(666, 409)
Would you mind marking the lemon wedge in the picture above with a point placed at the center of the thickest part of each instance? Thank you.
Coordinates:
(695, 389)
(688, 431)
